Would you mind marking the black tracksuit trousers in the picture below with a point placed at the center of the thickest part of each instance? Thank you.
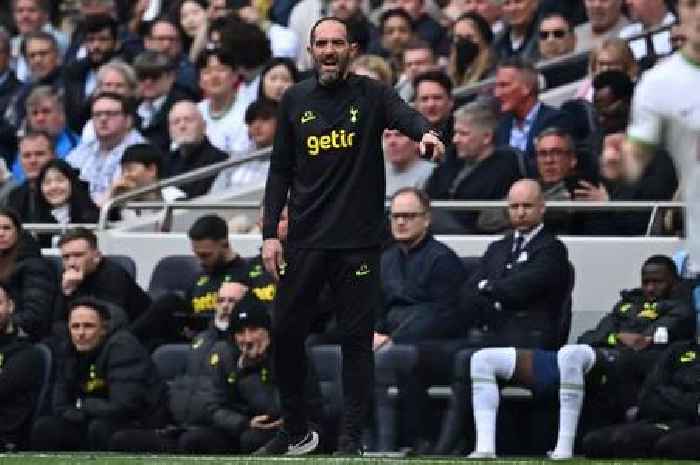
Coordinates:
(353, 275)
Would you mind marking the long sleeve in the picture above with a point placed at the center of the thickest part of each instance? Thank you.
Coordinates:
(279, 178)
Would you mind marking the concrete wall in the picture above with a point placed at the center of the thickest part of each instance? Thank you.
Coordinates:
(603, 266)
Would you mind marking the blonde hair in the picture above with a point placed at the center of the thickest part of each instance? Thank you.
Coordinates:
(375, 64)
(479, 68)
(621, 49)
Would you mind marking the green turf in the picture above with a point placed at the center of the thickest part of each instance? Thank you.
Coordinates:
(114, 459)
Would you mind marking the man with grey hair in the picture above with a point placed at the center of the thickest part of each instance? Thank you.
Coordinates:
(192, 148)
(486, 172)
(156, 74)
(46, 112)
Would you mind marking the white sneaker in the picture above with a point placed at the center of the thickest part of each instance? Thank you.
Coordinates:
(554, 455)
(481, 455)
(306, 445)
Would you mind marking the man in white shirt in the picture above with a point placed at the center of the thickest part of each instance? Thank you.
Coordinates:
(666, 108)
(99, 160)
(222, 110)
(404, 167)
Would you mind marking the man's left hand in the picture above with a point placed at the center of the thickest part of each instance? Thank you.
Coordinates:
(438, 148)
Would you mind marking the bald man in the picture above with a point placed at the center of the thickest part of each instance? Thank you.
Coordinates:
(514, 298)
(191, 147)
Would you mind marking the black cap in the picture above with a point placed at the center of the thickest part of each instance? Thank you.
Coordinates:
(250, 313)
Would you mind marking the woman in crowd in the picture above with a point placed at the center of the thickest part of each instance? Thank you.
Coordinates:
(611, 54)
(191, 16)
(64, 198)
(28, 275)
(278, 75)
(471, 56)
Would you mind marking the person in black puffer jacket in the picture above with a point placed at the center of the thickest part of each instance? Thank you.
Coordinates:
(106, 382)
(29, 277)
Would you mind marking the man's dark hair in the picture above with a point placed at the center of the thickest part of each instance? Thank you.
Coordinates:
(261, 109)
(99, 22)
(417, 43)
(208, 227)
(247, 43)
(146, 154)
(618, 82)
(37, 133)
(664, 261)
(165, 19)
(100, 306)
(395, 12)
(421, 195)
(123, 101)
(38, 35)
(557, 14)
(348, 29)
(75, 234)
(224, 57)
(437, 76)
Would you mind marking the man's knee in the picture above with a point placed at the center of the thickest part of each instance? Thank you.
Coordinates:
(496, 362)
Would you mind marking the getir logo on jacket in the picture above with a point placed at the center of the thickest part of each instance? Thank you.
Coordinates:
(337, 139)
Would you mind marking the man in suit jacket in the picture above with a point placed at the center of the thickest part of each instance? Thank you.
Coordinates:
(80, 77)
(485, 173)
(524, 114)
(515, 296)
(156, 74)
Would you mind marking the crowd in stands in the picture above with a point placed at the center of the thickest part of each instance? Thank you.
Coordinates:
(98, 76)
(101, 97)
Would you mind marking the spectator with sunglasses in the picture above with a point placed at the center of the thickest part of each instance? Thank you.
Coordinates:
(556, 37)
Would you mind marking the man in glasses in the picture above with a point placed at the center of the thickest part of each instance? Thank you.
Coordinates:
(557, 38)
(418, 275)
(99, 160)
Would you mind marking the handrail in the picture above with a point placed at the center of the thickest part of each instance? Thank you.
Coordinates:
(545, 65)
(54, 227)
(184, 178)
(449, 205)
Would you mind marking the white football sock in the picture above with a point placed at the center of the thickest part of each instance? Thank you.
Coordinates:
(486, 366)
(574, 362)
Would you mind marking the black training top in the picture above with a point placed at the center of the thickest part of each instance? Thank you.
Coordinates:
(328, 154)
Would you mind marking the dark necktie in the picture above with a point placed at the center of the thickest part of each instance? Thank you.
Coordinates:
(519, 241)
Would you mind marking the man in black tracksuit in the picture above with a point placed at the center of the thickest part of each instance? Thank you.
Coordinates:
(667, 424)
(106, 381)
(327, 157)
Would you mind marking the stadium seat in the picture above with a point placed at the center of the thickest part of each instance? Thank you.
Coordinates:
(43, 397)
(173, 274)
(171, 360)
(124, 261)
